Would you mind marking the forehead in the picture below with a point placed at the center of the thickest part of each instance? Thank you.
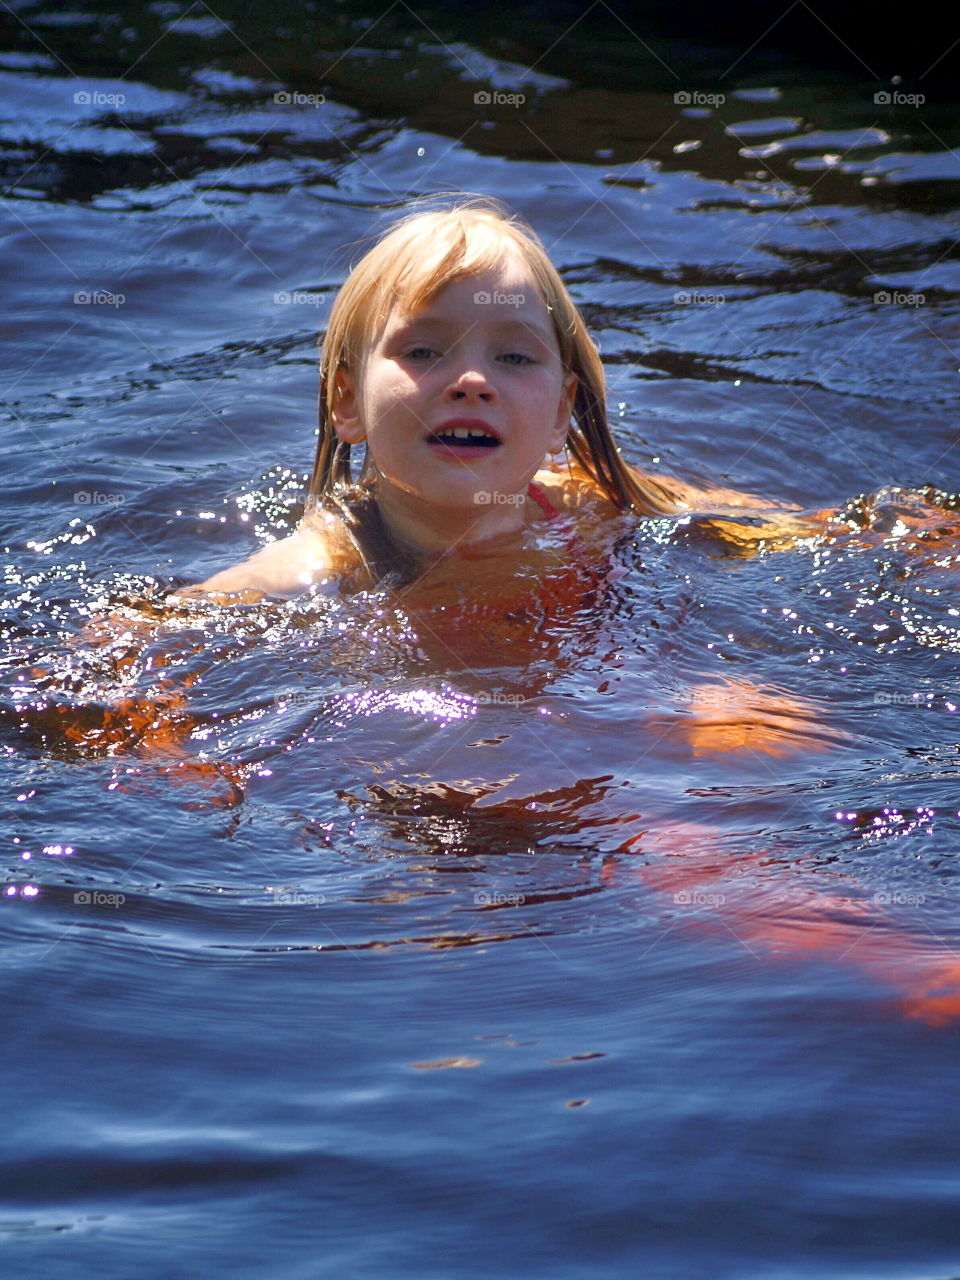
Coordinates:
(505, 293)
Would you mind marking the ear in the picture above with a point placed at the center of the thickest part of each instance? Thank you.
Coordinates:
(346, 409)
(564, 410)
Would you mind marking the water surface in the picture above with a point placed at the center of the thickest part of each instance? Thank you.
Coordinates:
(349, 936)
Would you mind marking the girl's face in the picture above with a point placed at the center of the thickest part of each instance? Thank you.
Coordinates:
(459, 404)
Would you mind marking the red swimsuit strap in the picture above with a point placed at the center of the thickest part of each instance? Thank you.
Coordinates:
(536, 492)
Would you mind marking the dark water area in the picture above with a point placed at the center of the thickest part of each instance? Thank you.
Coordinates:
(345, 936)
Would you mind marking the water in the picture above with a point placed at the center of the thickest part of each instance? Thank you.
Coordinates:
(349, 938)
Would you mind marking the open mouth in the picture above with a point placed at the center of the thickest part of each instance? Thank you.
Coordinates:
(470, 439)
(471, 435)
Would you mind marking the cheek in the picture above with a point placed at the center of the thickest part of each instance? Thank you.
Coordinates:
(391, 386)
(548, 392)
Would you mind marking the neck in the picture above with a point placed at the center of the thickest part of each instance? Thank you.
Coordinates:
(432, 531)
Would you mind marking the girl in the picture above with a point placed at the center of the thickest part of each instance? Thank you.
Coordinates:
(457, 357)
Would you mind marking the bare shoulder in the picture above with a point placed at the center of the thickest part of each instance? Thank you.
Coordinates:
(572, 491)
(317, 550)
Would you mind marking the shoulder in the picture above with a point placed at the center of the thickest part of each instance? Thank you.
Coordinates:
(319, 549)
(572, 491)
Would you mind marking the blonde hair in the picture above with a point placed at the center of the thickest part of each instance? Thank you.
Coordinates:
(409, 265)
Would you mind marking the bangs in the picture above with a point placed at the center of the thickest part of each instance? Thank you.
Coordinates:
(430, 256)
(423, 254)
(420, 276)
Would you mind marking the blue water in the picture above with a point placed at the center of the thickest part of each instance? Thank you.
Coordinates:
(425, 942)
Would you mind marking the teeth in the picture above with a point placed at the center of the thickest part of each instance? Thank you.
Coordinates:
(464, 433)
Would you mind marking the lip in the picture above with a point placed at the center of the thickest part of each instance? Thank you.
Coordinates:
(472, 424)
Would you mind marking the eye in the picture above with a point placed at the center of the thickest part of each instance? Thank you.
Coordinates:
(516, 358)
(420, 353)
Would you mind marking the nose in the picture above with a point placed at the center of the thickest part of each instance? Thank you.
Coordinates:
(472, 386)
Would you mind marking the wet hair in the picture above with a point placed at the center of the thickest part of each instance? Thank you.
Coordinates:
(416, 258)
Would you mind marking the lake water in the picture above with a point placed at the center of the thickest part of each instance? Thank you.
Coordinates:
(349, 938)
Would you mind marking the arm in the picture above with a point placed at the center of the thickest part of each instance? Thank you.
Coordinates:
(698, 498)
(745, 520)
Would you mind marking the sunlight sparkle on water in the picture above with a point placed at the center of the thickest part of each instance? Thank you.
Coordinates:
(421, 702)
